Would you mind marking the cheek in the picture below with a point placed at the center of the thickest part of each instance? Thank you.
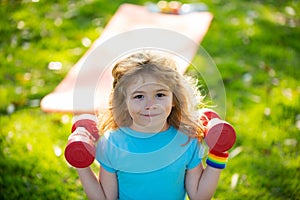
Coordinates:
(168, 106)
(133, 106)
(170, 109)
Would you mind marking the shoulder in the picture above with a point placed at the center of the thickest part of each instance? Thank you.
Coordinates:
(112, 135)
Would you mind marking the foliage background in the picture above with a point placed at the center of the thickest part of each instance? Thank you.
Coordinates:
(255, 45)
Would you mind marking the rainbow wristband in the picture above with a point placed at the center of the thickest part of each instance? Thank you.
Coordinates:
(217, 160)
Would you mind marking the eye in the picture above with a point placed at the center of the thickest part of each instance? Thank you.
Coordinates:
(159, 95)
(139, 96)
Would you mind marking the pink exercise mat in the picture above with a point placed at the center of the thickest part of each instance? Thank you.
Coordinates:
(86, 87)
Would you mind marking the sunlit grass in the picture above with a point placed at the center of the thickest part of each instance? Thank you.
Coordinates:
(255, 45)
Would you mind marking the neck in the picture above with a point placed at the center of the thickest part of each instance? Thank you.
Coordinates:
(150, 129)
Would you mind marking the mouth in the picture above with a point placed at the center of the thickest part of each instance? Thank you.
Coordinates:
(150, 115)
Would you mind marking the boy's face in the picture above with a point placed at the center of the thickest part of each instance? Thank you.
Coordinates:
(149, 104)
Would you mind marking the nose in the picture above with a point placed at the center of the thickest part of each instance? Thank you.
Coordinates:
(150, 104)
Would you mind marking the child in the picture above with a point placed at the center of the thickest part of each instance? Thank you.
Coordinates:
(151, 147)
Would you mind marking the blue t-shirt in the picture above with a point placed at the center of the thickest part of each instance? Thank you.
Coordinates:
(149, 166)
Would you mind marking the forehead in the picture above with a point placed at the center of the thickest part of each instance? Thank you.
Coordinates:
(144, 83)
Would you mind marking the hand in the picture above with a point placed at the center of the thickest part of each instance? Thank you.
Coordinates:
(80, 151)
(219, 136)
(89, 122)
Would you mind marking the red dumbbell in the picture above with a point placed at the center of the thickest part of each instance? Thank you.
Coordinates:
(81, 149)
(220, 136)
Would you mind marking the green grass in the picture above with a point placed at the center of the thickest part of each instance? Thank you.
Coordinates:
(255, 45)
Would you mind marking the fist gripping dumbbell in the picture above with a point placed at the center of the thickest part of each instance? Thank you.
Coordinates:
(219, 136)
(81, 149)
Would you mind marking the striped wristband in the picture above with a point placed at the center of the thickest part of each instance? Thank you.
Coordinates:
(217, 159)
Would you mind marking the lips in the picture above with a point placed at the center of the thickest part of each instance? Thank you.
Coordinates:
(150, 115)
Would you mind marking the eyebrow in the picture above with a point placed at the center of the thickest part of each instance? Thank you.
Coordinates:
(159, 90)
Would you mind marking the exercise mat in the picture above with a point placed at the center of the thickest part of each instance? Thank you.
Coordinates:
(86, 87)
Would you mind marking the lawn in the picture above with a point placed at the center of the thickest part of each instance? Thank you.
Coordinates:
(254, 44)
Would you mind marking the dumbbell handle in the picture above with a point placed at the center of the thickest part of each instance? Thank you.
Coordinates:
(89, 125)
(89, 122)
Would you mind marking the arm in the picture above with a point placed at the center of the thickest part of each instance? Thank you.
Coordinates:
(103, 188)
(220, 136)
(201, 183)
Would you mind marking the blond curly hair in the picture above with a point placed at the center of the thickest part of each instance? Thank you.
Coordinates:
(183, 115)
